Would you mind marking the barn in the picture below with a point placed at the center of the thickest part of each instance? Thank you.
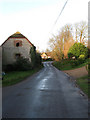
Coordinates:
(17, 45)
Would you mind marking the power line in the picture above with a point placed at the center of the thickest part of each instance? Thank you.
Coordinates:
(60, 13)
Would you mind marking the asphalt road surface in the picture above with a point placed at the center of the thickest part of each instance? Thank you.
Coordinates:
(47, 94)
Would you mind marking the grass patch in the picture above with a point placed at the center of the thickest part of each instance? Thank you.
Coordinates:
(16, 76)
(84, 85)
(66, 65)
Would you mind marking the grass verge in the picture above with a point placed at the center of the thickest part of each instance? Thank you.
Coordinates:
(17, 76)
(84, 85)
(66, 65)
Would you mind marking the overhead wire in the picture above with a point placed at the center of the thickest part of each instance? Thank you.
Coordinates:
(59, 16)
(60, 13)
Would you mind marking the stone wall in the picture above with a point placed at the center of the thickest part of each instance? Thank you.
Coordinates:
(9, 50)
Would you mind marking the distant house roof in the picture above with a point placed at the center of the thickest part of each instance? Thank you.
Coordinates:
(18, 35)
(44, 55)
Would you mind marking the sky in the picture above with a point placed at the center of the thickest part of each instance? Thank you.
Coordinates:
(35, 18)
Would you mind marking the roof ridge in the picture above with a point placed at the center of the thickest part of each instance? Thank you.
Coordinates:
(17, 32)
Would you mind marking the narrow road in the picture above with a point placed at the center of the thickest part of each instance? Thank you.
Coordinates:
(47, 94)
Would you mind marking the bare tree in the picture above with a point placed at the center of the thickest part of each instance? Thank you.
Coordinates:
(81, 32)
(76, 32)
(56, 52)
(61, 43)
(67, 38)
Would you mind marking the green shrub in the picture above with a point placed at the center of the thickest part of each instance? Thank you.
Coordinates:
(78, 49)
(76, 62)
(70, 55)
(38, 59)
(21, 64)
(81, 61)
(82, 57)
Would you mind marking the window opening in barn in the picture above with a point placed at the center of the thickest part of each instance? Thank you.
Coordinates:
(18, 43)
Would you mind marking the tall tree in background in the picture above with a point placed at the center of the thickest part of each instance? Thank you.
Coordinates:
(67, 38)
(56, 48)
(81, 32)
(61, 43)
(76, 32)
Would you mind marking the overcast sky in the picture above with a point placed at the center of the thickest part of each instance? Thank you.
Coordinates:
(35, 18)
